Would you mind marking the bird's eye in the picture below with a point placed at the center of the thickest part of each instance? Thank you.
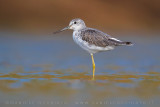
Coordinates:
(75, 22)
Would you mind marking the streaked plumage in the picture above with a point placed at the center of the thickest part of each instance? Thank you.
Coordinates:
(92, 40)
(95, 41)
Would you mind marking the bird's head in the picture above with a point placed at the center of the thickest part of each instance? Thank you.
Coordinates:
(75, 24)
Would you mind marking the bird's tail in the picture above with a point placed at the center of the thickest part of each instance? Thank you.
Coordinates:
(126, 43)
(119, 42)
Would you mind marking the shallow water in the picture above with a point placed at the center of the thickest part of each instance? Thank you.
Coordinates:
(54, 71)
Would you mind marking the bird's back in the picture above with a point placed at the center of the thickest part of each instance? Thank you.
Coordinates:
(98, 38)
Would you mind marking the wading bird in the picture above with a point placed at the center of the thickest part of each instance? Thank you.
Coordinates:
(92, 40)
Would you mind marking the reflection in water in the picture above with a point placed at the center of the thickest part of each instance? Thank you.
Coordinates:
(57, 73)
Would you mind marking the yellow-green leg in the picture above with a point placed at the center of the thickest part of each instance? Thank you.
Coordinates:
(93, 64)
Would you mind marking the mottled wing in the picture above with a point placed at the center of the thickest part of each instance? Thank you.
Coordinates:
(98, 38)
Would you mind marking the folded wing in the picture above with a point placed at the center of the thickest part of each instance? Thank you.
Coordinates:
(98, 38)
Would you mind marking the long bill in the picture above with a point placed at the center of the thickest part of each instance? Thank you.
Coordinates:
(66, 28)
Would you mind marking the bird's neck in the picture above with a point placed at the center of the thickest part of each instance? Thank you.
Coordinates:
(79, 28)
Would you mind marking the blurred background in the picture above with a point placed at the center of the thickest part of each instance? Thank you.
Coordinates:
(40, 69)
(111, 15)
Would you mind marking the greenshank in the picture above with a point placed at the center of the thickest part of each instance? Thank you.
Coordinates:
(92, 40)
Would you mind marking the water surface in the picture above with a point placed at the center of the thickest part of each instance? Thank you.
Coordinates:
(54, 71)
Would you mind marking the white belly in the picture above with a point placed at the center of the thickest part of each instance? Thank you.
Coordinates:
(85, 45)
